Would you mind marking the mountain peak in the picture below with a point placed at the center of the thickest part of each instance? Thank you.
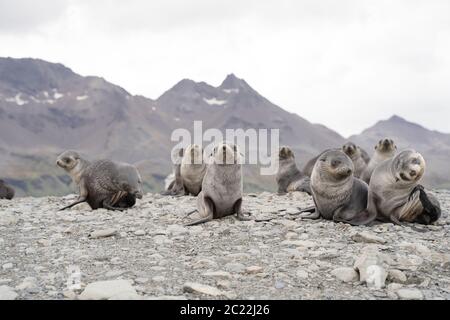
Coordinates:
(233, 82)
(396, 118)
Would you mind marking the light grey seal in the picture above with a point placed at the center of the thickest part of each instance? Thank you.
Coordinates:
(384, 150)
(193, 169)
(175, 186)
(222, 185)
(102, 183)
(289, 178)
(395, 194)
(337, 194)
(6, 192)
(355, 153)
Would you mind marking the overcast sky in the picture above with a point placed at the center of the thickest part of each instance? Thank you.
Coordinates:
(345, 64)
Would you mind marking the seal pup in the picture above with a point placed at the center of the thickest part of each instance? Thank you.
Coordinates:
(337, 194)
(395, 194)
(193, 169)
(6, 192)
(289, 178)
(102, 183)
(222, 185)
(175, 186)
(384, 150)
(354, 153)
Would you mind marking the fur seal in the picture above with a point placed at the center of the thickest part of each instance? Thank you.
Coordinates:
(309, 166)
(355, 153)
(288, 177)
(193, 169)
(222, 185)
(176, 187)
(6, 192)
(395, 194)
(384, 150)
(102, 183)
(337, 194)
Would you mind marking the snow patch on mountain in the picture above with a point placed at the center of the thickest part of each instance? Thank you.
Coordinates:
(215, 101)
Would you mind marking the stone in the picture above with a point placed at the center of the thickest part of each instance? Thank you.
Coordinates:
(367, 237)
(345, 274)
(193, 287)
(371, 271)
(218, 274)
(103, 233)
(103, 290)
(410, 294)
(376, 277)
(302, 274)
(235, 267)
(140, 233)
(7, 266)
(7, 293)
(253, 269)
(395, 275)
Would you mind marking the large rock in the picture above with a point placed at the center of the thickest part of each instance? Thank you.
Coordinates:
(371, 270)
(410, 294)
(113, 290)
(345, 274)
(7, 293)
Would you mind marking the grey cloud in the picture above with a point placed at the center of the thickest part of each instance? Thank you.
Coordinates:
(22, 16)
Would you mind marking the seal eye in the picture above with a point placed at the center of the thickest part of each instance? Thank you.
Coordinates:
(415, 161)
(67, 160)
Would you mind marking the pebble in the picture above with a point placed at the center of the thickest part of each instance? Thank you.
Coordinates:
(193, 287)
(410, 294)
(114, 290)
(7, 266)
(367, 237)
(140, 233)
(7, 293)
(395, 275)
(253, 269)
(218, 274)
(103, 233)
(345, 274)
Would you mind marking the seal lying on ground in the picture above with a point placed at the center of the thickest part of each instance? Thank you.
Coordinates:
(221, 193)
(6, 192)
(384, 150)
(102, 183)
(355, 153)
(395, 194)
(288, 177)
(337, 194)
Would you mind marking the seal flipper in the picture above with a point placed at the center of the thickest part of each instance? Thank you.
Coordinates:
(80, 200)
(395, 220)
(310, 213)
(431, 210)
(83, 197)
(206, 211)
(355, 211)
(360, 218)
(238, 209)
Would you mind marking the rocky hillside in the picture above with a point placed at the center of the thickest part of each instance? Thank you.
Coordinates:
(434, 145)
(146, 253)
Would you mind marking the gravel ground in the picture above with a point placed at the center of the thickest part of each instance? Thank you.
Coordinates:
(146, 253)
